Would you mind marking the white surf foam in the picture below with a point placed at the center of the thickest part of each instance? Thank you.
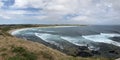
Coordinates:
(80, 41)
(18, 31)
(76, 40)
(103, 38)
(50, 38)
(110, 34)
(90, 47)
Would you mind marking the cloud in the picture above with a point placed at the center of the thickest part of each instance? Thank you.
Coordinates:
(1, 4)
(62, 11)
(28, 3)
(4, 16)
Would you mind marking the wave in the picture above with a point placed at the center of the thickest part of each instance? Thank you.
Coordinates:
(110, 34)
(50, 38)
(103, 38)
(79, 41)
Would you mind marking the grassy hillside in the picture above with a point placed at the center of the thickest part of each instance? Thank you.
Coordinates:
(12, 48)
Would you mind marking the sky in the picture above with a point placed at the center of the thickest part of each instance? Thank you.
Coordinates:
(93, 12)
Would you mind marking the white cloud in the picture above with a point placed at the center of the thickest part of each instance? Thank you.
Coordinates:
(88, 11)
(80, 18)
(1, 4)
(4, 16)
(11, 14)
(28, 3)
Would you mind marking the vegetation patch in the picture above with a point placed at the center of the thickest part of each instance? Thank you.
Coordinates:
(4, 54)
(22, 54)
(47, 55)
(16, 58)
(3, 49)
(18, 50)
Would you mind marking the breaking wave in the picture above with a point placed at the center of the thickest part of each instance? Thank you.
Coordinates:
(81, 40)
(50, 38)
(103, 38)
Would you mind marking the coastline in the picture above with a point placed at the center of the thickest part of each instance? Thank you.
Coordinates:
(20, 29)
(43, 52)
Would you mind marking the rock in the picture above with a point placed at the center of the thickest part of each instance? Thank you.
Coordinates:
(84, 54)
(113, 52)
(95, 52)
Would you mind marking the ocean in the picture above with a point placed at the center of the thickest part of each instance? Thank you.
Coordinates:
(104, 39)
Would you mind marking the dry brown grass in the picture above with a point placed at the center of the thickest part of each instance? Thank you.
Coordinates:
(42, 51)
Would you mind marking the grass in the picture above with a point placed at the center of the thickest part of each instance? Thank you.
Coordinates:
(22, 54)
(18, 49)
(47, 55)
(4, 54)
(3, 49)
(16, 58)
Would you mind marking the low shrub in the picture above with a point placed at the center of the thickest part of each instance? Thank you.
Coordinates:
(22, 54)
(3, 49)
(16, 58)
(47, 55)
(29, 56)
(3, 54)
(18, 49)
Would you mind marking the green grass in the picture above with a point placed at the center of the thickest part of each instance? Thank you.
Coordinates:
(3, 49)
(4, 54)
(22, 54)
(18, 49)
(29, 56)
(47, 55)
(16, 58)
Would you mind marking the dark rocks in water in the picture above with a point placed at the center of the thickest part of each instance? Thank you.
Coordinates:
(116, 39)
(84, 54)
(113, 52)
(109, 51)
(95, 52)
(83, 48)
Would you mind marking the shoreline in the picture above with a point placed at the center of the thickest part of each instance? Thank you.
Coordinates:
(20, 29)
